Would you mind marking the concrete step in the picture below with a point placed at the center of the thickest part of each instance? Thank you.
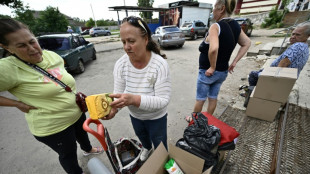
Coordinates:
(279, 47)
(266, 49)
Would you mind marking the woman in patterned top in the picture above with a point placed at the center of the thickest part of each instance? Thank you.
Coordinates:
(295, 56)
(142, 82)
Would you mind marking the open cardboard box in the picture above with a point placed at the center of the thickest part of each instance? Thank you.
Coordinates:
(275, 84)
(189, 163)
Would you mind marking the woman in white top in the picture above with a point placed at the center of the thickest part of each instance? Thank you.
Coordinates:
(142, 82)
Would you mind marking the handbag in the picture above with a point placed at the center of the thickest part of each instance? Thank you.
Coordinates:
(80, 97)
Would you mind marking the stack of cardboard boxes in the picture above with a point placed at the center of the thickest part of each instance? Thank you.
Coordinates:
(272, 90)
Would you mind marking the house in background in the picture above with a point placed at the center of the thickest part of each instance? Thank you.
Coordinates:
(299, 5)
(244, 7)
(182, 11)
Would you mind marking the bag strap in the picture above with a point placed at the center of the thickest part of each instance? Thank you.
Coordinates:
(47, 74)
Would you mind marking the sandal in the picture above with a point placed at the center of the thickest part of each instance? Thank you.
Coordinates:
(98, 151)
(188, 119)
(243, 94)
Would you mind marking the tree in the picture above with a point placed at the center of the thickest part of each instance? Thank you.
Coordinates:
(12, 3)
(25, 15)
(146, 3)
(4, 16)
(51, 20)
(90, 23)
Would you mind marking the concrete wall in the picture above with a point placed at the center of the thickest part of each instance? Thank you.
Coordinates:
(257, 18)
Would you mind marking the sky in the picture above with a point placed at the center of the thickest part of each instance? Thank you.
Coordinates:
(85, 9)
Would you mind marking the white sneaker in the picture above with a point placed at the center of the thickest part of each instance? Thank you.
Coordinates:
(145, 154)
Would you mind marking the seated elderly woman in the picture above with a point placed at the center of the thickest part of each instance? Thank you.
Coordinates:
(296, 56)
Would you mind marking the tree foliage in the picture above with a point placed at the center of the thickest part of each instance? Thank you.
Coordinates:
(25, 15)
(90, 23)
(4, 16)
(274, 20)
(146, 3)
(12, 3)
(107, 22)
(51, 20)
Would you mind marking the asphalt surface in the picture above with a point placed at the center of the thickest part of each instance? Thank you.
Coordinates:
(20, 153)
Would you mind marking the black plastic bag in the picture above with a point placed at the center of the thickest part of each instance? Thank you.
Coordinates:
(201, 135)
(201, 140)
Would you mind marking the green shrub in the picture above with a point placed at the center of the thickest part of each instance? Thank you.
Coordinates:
(280, 24)
(274, 20)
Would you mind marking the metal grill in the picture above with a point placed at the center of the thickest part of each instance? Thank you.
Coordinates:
(255, 148)
(295, 156)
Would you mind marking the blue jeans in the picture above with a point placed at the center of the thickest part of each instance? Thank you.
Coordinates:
(151, 131)
(209, 86)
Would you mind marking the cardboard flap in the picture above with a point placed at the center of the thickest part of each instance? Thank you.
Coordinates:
(280, 72)
(154, 164)
(188, 162)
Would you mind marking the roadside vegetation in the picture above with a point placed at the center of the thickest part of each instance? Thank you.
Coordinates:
(275, 18)
(45, 22)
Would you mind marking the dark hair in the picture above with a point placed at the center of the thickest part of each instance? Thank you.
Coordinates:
(145, 30)
(8, 26)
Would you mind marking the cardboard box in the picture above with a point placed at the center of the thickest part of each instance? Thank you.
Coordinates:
(275, 83)
(261, 108)
(189, 163)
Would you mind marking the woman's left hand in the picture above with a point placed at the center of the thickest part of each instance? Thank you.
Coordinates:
(231, 68)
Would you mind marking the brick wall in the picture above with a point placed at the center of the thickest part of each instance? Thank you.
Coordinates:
(299, 16)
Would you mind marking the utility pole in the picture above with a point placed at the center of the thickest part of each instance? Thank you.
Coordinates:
(126, 9)
(93, 15)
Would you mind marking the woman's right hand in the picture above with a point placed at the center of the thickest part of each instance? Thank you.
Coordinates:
(24, 107)
(210, 71)
(111, 114)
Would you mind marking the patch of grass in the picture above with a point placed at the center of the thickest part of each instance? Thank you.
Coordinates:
(86, 36)
(280, 35)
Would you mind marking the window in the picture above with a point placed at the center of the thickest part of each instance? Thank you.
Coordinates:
(54, 44)
(82, 40)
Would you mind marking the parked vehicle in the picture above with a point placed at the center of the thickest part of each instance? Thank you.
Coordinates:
(73, 48)
(246, 25)
(169, 36)
(85, 32)
(194, 29)
(94, 32)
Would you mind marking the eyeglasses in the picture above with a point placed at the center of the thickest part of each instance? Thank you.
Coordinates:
(136, 21)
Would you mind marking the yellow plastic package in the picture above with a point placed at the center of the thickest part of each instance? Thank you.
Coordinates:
(98, 105)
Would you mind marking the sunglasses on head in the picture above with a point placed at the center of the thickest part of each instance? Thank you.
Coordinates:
(135, 21)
